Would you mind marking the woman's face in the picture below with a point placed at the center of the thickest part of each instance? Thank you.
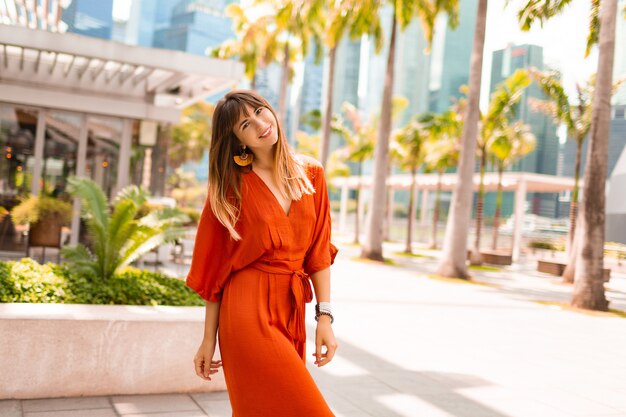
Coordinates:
(258, 129)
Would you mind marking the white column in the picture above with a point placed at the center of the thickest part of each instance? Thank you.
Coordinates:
(80, 172)
(343, 207)
(147, 169)
(520, 205)
(98, 176)
(365, 195)
(424, 209)
(39, 148)
(123, 167)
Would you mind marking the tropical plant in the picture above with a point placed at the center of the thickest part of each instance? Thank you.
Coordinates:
(359, 147)
(297, 24)
(407, 153)
(403, 13)
(256, 43)
(118, 236)
(453, 261)
(502, 107)
(357, 17)
(510, 144)
(33, 209)
(441, 153)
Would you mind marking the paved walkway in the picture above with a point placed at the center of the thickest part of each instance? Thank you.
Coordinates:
(415, 346)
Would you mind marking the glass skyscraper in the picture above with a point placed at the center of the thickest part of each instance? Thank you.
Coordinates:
(90, 18)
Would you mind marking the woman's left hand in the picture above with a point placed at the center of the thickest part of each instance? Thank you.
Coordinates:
(324, 336)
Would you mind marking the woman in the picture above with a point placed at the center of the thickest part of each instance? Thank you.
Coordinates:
(264, 232)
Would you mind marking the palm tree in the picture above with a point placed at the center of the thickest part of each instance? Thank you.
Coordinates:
(510, 144)
(589, 276)
(359, 17)
(407, 152)
(588, 281)
(453, 262)
(256, 44)
(501, 108)
(297, 24)
(359, 147)
(577, 119)
(403, 13)
(121, 235)
(441, 153)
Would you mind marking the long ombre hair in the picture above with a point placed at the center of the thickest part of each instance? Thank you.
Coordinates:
(225, 175)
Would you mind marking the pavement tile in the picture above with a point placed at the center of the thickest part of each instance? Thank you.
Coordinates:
(210, 396)
(198, 413)
(216, 408)
(138, 404)
(102, 412)
(576, 405)
(10, 408)
(76, 403)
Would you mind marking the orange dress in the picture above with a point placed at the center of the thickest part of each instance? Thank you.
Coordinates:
(263, 284)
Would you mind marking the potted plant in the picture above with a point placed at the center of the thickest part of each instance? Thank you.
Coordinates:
(45, 216)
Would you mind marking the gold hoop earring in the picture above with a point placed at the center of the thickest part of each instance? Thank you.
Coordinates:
(244, 159)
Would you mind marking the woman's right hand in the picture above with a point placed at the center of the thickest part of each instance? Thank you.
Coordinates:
(203, 361)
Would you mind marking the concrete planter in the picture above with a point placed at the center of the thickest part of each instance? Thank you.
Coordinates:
(63, 350)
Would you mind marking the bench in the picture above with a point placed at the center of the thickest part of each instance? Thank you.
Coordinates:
(557, 268)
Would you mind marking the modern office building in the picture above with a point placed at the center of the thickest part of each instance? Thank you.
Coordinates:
(450, 58)
(544, 159)
(195, 26)
(89, 18)
(617, 144)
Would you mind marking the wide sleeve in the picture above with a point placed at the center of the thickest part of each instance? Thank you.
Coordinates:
(212, 260)
(321, 253)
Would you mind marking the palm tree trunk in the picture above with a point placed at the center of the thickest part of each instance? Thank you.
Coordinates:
(409, 227)
(253, 82)
(476, 258)
(453, 263)
(357, 217)
(159, 161)
(570, 269)
(328, 110)
(496, 216)
(589, 278)
(433, 235)
(573, 207)
(284, 85)
(373, 247)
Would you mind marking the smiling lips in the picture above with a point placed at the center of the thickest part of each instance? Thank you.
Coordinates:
(267, 132)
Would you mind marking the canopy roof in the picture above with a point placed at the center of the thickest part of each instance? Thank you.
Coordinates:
(78, 73)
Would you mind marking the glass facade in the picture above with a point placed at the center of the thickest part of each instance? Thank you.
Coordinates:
(18, 137)
(90, 18)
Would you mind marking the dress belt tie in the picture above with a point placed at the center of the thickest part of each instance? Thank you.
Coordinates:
(301, 292)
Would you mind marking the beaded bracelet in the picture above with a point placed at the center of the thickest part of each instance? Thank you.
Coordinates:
(323, 309)
(324, 313)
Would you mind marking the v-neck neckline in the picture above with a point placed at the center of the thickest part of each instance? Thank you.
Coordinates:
(276, 202)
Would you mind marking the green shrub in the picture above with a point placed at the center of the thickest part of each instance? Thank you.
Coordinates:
(28, 281)
(547, 244)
